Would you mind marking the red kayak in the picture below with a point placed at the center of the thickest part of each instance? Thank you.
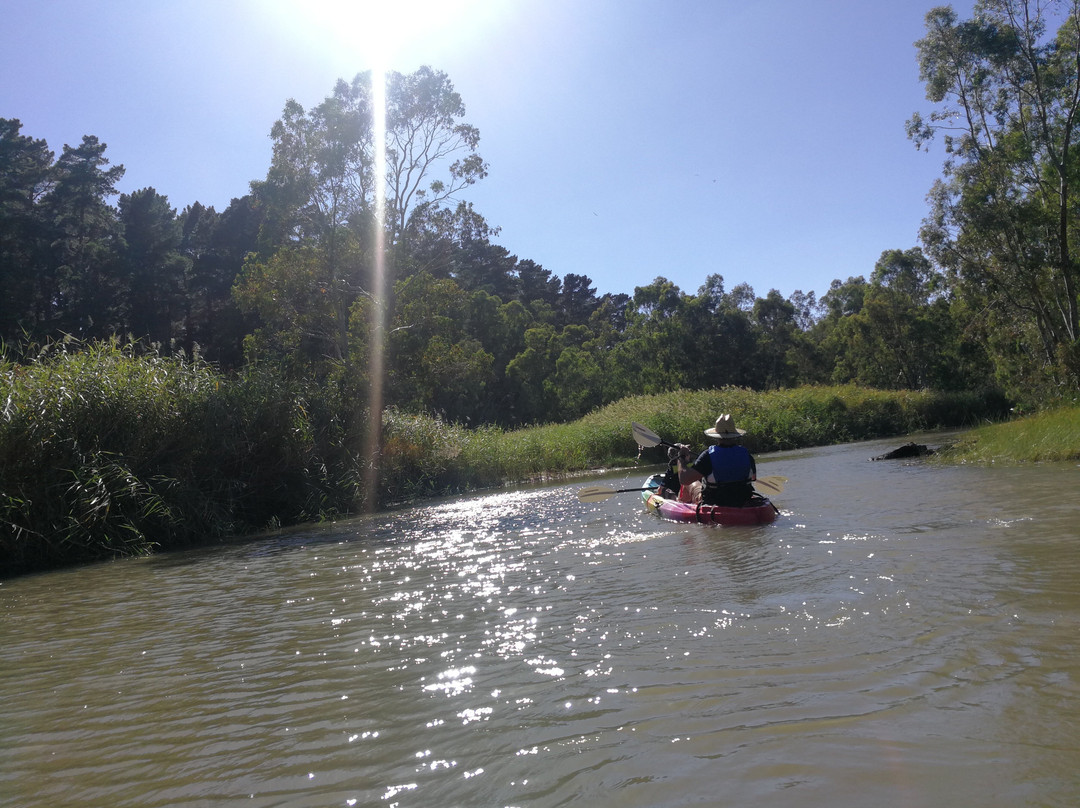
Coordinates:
(759, 511)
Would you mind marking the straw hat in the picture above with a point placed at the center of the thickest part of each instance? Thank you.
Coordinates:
(725, 428)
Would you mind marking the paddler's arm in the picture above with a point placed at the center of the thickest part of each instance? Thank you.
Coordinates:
(688, 474)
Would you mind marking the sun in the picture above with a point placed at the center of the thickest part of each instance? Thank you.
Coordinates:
(381, 35)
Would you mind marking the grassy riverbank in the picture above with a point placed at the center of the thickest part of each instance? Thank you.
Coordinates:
(1048, 436)
(104, 453)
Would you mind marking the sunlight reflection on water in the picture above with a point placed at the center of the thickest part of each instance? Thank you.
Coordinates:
(527, 649)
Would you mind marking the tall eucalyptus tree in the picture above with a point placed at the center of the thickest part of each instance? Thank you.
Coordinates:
(320, 190)
(1003, 218)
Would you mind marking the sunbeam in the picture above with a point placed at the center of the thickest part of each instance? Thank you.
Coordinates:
(378, 293)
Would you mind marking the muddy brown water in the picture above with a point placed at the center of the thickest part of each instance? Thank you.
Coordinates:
(905, 634)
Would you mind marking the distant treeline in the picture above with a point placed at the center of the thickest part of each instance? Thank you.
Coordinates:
(286, 276)
(473, 333)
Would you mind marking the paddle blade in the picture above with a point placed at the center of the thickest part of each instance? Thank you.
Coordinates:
(770, 485)
(596, 493)
(644, 436)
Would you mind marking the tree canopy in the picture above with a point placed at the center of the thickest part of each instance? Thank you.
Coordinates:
(1003, 216)
(284, 277)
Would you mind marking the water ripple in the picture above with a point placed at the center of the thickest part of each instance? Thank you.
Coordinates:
(526, 649)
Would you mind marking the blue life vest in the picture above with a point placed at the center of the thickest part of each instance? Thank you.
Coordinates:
(730, 464)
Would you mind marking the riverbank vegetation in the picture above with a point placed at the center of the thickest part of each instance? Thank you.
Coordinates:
(1053, 435)
(175, 376)
(105, 452)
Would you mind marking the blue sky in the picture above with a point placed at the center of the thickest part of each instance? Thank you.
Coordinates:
(627, 139)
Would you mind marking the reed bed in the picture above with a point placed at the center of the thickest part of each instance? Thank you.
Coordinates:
(803, 416)
(106, 452)
(782, 419)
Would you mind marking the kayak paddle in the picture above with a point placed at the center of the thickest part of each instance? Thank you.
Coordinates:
(598, 493)
(772, 485)
(644, 437)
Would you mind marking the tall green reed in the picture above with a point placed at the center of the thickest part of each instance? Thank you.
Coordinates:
(105, 452)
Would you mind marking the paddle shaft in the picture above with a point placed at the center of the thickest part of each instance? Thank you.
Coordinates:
(598, 493)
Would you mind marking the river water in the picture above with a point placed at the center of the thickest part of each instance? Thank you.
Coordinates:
(905, 634)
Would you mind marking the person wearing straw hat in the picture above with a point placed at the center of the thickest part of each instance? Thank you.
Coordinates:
(723, 473)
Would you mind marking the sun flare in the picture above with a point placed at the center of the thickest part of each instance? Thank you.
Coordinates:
(378, 35)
